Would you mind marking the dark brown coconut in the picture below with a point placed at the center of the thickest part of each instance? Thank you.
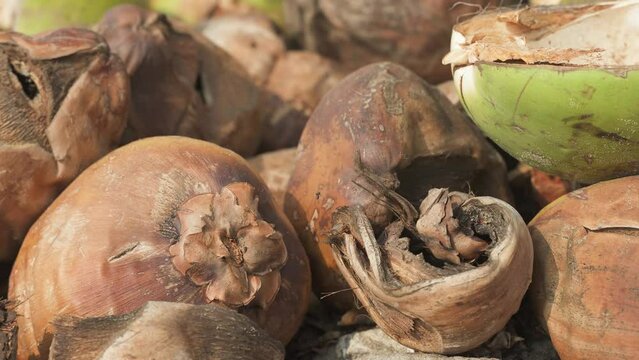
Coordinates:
(161, 219)
(182, 84)
(63, 104)
(381, 122)
(164, 331)
(415, 34)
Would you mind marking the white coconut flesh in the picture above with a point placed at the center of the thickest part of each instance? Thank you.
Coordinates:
(601, 35)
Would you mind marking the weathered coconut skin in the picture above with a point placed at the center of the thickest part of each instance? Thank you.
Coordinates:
(385, 121)
(181, 83)
(185, 331)
(111, 242)
(415, 34)
(275, 168)
(586, 276)
(296, 84)
(64, 100)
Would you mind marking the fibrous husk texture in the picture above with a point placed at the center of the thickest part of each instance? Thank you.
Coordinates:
(164, 331)
(444, 279)
(182, 84)
(63, 104)
(386, 122)
(413, 33)
(586, 274)
(161, 219)
(549, 35)
(8, 331)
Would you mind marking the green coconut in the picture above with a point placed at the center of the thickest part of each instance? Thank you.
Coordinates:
(556, 87)
(35, 16)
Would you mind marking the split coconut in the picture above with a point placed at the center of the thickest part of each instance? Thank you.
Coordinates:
(550, 95)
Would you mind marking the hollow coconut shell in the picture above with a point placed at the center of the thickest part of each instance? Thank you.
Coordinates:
(586, 276)
(448, 306)
(161, 219)
(554, 87)
(384, 121)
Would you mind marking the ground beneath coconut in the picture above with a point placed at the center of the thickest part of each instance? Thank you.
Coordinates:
(324, 336)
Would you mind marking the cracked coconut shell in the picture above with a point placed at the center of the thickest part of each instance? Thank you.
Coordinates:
(181, 83)
(444, 279)
(161, 219)
(384, 121)
(556, 87)
(586, 275)
(355, 33)
(64, 99)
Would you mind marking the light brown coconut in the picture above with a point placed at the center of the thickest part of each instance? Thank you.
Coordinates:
(161, 219)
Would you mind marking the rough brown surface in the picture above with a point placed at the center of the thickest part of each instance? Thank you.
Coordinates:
(104, 247)
(164, 331)
(275, 168)
(181, 83)
(297, 83)
(355, 33)
(63, 104)
(381, 120)
(442, 280)
(250, 39)
(586, 278)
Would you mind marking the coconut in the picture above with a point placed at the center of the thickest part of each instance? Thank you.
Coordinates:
(555, 86)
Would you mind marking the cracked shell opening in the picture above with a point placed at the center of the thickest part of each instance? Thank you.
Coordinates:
(226, 248)
(551, 35)
(451, 234)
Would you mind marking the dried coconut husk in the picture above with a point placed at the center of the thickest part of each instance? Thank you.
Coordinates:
(161, 219)
(250, 39)
(63, 104)
(275, 168)
(181, 83)
(385, 121)
(444, 279)
(355, 33)
(296, 85)
(164, 331)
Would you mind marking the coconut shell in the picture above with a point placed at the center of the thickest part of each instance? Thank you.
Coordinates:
(296, 84)
(355, 33)
(386, 123)
(586, 275)
(181, 83)
(275, 168)
(161, 219)
(63, 104)
(185, 331)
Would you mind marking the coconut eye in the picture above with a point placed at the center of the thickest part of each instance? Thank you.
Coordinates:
(29, 86)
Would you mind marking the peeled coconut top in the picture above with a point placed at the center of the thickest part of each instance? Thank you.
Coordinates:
(599, 35)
